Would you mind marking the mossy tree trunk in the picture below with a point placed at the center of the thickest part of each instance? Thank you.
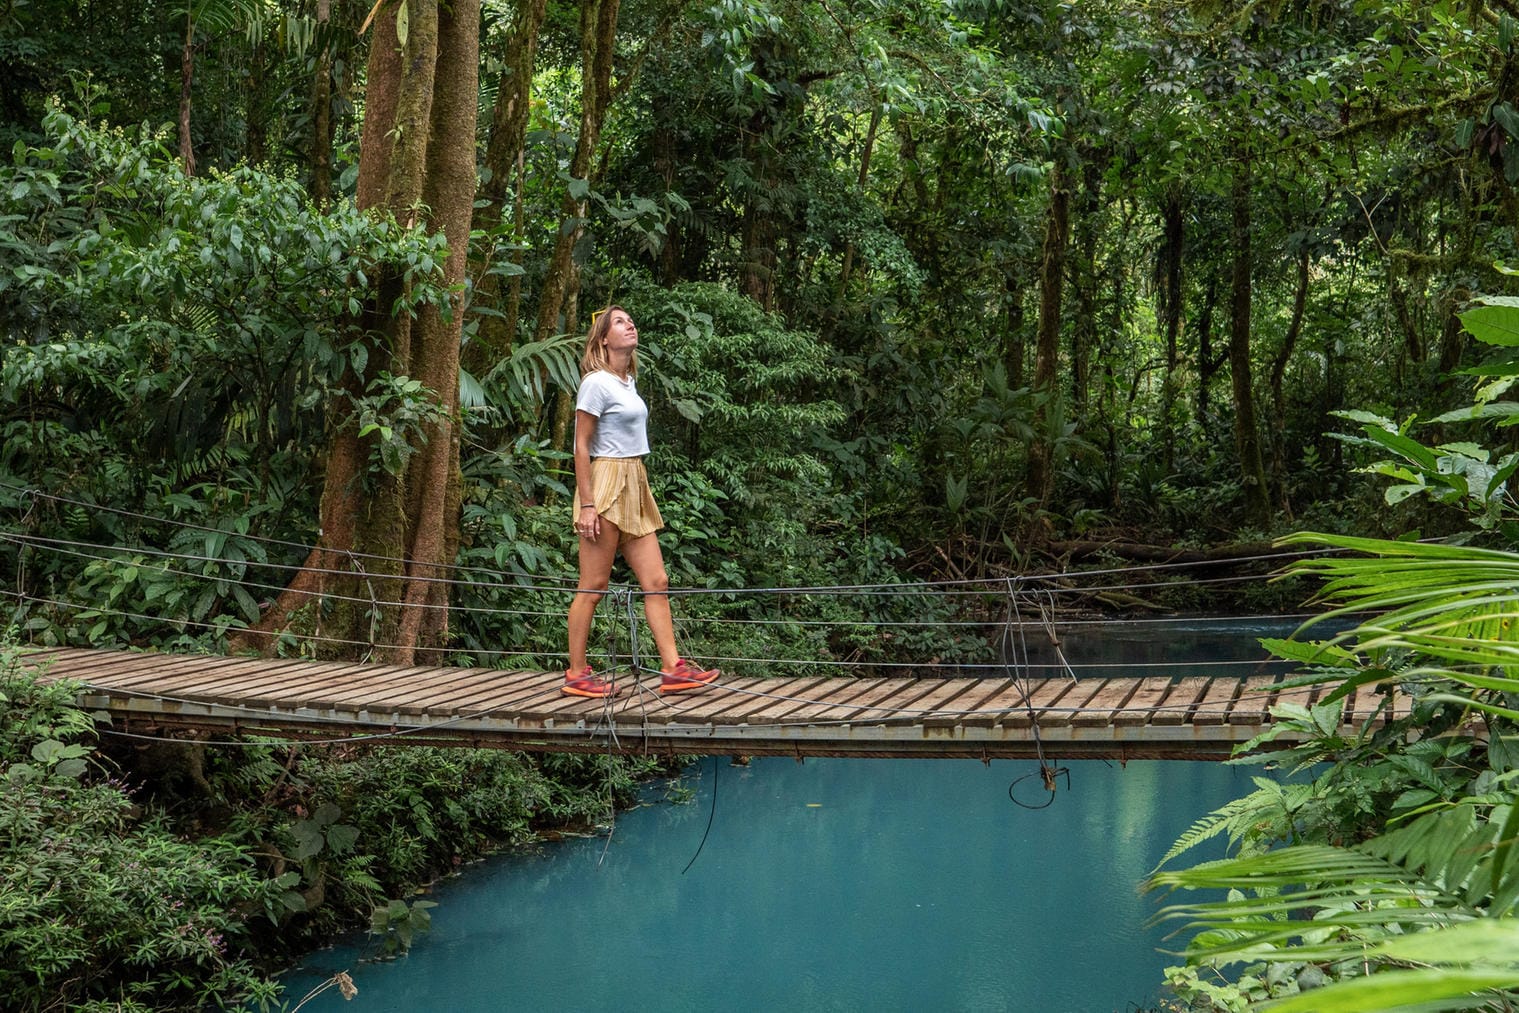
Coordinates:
(557, 301)
(373, 585)
(505, 166)
(1169, 286)
(1046, 386)
(1246, 436)
(319, 154)
(598, 33)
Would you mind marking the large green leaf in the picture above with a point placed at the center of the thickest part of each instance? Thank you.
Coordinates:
(1495, 325)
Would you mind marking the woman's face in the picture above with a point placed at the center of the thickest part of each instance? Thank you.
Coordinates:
(622, 333)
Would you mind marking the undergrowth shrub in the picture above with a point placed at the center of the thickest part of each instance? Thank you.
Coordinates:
(102, 905)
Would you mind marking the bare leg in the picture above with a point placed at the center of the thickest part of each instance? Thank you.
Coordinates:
(596, 557)
(648, 565)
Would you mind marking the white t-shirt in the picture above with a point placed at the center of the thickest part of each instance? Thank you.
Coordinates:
(621, 415)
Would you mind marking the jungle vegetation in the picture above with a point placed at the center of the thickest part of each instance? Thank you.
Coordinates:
(292, 292)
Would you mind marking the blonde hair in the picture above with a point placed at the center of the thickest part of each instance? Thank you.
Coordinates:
(595, 355)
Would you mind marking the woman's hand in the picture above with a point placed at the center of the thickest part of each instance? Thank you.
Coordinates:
(588, 522)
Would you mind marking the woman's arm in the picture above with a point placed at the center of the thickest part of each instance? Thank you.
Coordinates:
(588, 517)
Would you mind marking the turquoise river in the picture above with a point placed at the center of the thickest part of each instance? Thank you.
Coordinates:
(825, 885)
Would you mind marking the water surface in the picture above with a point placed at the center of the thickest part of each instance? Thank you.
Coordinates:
(829, 885)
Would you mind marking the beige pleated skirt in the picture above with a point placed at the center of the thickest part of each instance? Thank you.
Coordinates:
(621, 490)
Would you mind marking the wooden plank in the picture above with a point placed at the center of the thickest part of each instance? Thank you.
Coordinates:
(1139, 708)
(369, 686)
(1046, 695)
(1013, 698)
(898, 704)
(430, 690)
(108, 676)
(1177, 707)
(170, 680)
(552, 705)
(159, 669)
(328, 688)
(499, 691)
(1214, 705)
(644, 705)
(768, 711)
(941, 697)
(511, 696)
(970, 705)
(805, 705)
(119, 670)
(376, 693)
(731, 700)
(1252, 705)
(877, 702)
(54, 652)
(74, 662)
(185, 680)
(860, 693)
(1063, 712)
(1303, 696)
(1362, 703)
(834, 701)
(1109, 698)
(874, 701)
(271, 687)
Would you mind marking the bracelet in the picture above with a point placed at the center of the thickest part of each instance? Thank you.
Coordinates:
(588, 506)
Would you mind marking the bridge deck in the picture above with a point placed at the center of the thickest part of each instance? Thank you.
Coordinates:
(1120, 718)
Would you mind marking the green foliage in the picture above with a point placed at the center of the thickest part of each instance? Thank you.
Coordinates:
(178, 346)
(749, 393)
(103, 903)
(1407, 835)
(398, 411)
(139, 897)
(398, 924)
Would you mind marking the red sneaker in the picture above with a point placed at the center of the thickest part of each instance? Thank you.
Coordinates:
(587, 684)
(686, 676)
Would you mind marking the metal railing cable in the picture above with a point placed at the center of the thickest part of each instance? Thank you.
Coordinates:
(36, 494)
(960, 586)
(627, 596)
(76, 549)
(936, 601)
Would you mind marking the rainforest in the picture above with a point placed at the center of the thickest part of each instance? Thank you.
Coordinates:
(1219, 297)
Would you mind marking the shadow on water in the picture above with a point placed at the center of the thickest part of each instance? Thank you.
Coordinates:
(831, 885)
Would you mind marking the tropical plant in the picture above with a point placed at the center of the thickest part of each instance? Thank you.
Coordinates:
(1418, 856)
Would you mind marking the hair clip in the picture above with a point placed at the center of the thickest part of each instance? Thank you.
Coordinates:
(596, 315)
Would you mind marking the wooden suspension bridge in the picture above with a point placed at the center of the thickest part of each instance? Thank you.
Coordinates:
(1154, 717)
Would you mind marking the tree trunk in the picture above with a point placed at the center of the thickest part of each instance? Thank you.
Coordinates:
(504, 163)
(1278, 374)
(1207, 363)
(1083, 269)
(256, 134)
(598, 32)
(1047, 414)
(400, 532)
(186, 75)
(870, 143)
(1246, 439)
(1013, 341)
(319, 156)
(1172, 245)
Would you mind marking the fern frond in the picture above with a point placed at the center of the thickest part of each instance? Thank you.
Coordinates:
(1234, 817)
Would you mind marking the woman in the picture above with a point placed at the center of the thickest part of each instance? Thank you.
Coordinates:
(614, 509)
